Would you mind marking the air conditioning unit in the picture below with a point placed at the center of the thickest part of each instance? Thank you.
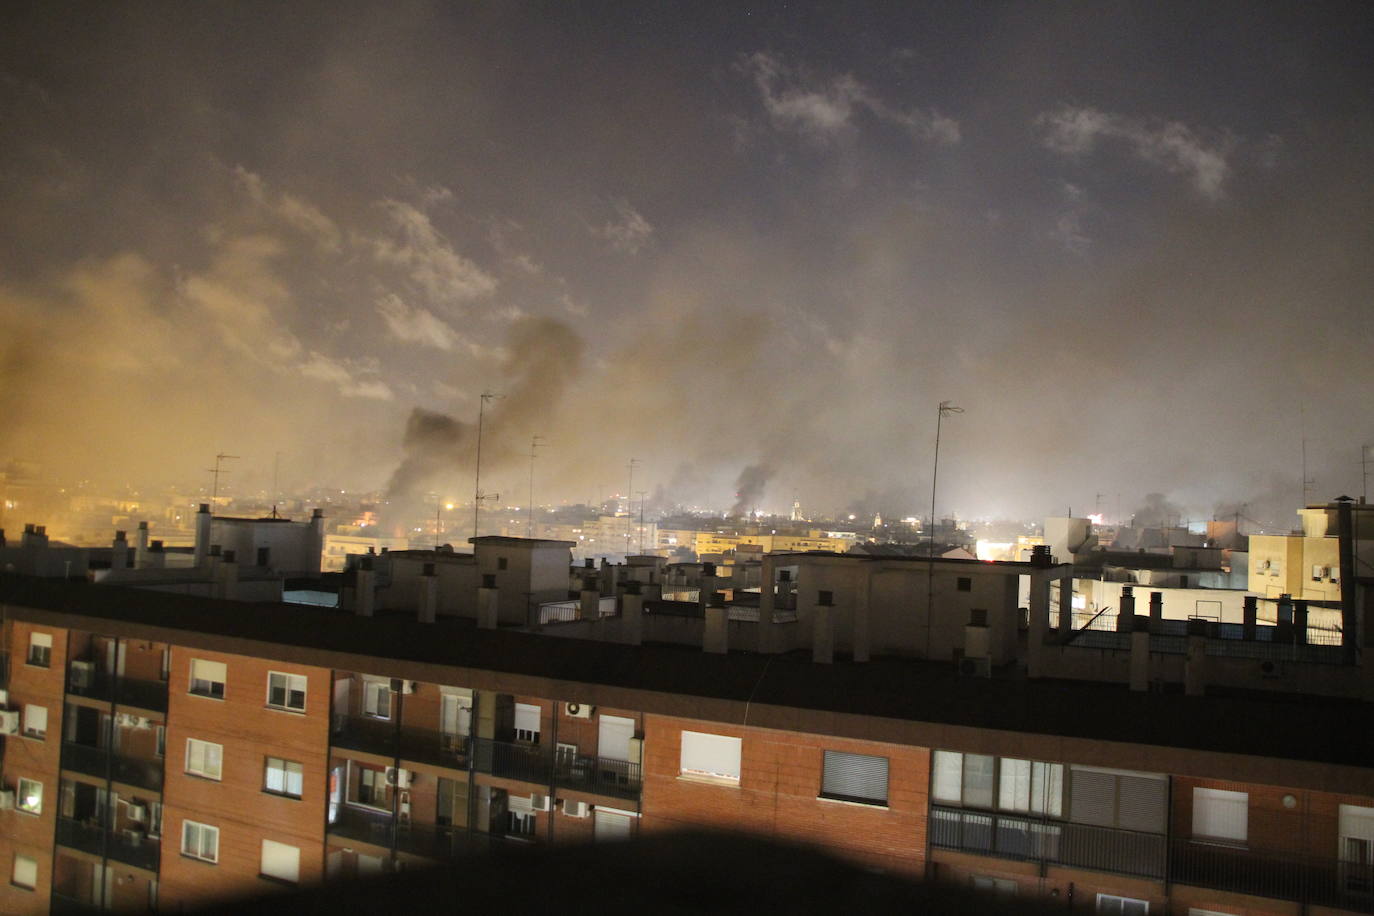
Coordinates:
(576, 808)
(399, 685)
(6, 799)
(398, 777)
(975, 666)
(137, 813)
(4, 698)
(9, 722)
(579, 710)
(539, 802)
(83, 674)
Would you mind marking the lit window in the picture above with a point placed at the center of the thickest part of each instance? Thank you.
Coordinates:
(713, 756)
(377, 699)
(30, 796)
(203, 758)
(1110, 905)
(854, 778)
(200, 841)
(283, 777)
(527, 723)
(35, 721)
(40, 649)
(1031, 787)
(280, 861)
(286, 691)
(963, 779)
(25, 873)
(1221, 815)
(1000, 886)
(207, 678)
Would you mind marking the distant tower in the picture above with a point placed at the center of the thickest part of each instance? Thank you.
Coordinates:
(877, 520)
(796, 510)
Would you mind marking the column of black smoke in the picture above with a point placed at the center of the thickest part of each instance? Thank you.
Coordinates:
(749, 488)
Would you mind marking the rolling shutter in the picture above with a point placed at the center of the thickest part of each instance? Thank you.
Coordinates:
(1141, 803)
(710, 755)
(948, 777)
(855, 777)
(1093, 798)
(526, 717)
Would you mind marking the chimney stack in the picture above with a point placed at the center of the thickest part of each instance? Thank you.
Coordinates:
(202, 553)
(1156, 612)
(427, 608)
(364, 589)
(119, 553)
(716, 635)
(141, 546)
(1126, 611)
(1195, 663)
(1249, 614)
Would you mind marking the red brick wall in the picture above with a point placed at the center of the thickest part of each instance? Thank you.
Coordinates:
(249, 731)
(21, 833)
(777, 795)
(1311, 826)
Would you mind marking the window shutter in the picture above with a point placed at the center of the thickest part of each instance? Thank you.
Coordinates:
(1093, 798)
(35, 718)
(978, 787)
(281, 861)
(710, 755)
(208, 671)
(1014, 793)
(948, 777)
(1221, 815)
(855, 776)
(526, 717)
(1141, 804)
(1047, 789)
(43, 640)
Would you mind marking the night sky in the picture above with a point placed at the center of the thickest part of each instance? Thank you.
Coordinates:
(1135, 241)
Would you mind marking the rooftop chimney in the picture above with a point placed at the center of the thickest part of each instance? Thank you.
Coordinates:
(427, 605)
(202, 551)
(364, 589)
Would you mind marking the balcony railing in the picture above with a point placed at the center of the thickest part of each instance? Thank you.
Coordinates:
(1279, 875)
(361, 733)
(1125, 852)
(434, 842)
(129, 847)
(96, 761)
(100, 685)
(526, 762)
(354, 823)
(425, 745)
(599, 775)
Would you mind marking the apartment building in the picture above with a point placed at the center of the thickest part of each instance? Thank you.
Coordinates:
(167, 750)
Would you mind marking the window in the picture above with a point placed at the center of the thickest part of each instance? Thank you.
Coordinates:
(965, 584)
(377, 699)
(207, 678)
(25, 873)
(713, 756)
(825, 598)
(371, 788)
(1121, 906)
(1031, 787)
(501, 563)
(30, 797)
(203, 758)
(286, 691)
(283, 777)
(1356, 848)
(1221, 815)
(520, 823)
(1111, 798)
(1001, 886)
(200, 841)
(280, 861)
(854, 778)
(527, 723)
(963, 779)
(35, 721)
(40, 649)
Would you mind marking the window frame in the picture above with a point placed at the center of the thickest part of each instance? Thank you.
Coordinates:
(695, 773)
(285, 775)
(40, 712)
(14, 872)
(287, 691)
(868, 801)
(384, 686)
(218, 775)
(527, 735)
(21, 797)
(36, 642)
(1097, 904)
(208, 693)
(1220, 796)
(202, 830)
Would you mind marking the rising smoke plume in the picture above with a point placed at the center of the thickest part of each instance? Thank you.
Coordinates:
(749, 488)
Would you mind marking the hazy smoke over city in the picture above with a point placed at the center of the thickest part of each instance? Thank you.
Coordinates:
(757, 252)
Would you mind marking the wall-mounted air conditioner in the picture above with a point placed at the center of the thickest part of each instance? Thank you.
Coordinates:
(398, 777)
(137, 813)
(9, 722)
(576, 808)
(539, 802)
(400, 685)
(579, 710)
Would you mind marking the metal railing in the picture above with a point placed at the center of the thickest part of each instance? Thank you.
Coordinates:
(97, 761)
(127, 691)
(362, 733)
(598, 775)
(373, 827)
(1125, 852)
(526, 762)
(130, 847)
(1278, 875)
(571, 610)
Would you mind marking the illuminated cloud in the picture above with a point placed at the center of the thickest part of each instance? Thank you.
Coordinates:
(824, 107)
(629, 232)
(349, 381)
(1173, 146)
(416, 325)
(428, 259)
(300, 215)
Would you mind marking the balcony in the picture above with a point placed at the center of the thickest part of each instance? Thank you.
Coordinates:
(434, 842)
(128, 691)
(526, 762)
(129, 847)
(1123, 852)
(361, 733)
(99, 762)
(361, 824)
(425, 745)
(1278, 875)
(598, 775)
